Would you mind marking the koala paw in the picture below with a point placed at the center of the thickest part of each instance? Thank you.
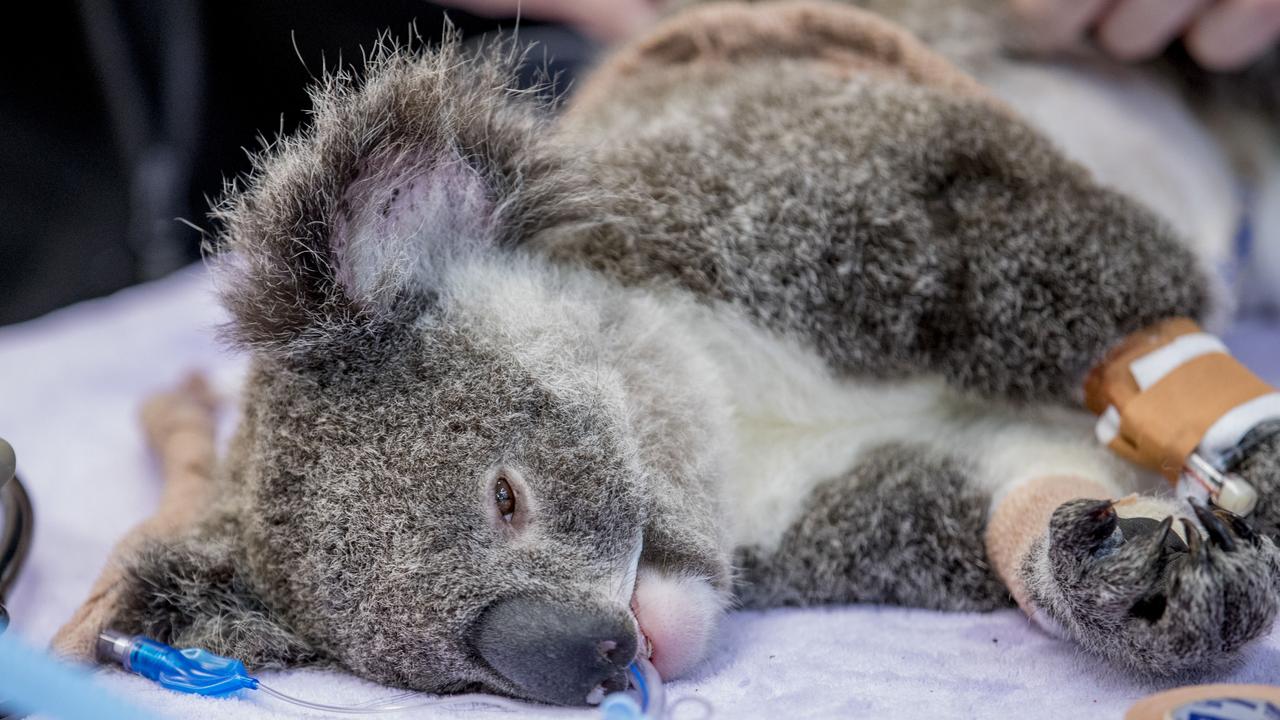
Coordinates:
(1136, 594)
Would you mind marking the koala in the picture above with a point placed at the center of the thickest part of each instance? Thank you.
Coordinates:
(769, 316)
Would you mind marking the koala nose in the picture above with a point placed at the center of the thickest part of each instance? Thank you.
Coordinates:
(556, 653)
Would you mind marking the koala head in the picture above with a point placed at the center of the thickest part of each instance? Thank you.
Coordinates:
(442, 478)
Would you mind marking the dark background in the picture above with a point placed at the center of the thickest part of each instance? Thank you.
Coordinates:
(121, 117)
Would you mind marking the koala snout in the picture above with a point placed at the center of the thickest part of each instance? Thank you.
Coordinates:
(556, 653)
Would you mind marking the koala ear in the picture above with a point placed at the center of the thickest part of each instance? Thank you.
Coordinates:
(195, 592)
(354, 222)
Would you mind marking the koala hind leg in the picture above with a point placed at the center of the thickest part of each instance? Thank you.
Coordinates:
(909, 525)
(905, 526)
(1153, 602)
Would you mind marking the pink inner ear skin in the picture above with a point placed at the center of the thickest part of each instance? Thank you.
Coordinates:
(403, 220)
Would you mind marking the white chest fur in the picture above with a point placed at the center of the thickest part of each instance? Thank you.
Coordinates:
(794, 424)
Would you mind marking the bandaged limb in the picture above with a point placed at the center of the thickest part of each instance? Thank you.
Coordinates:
(1170, 398)
(1021, 517)
(180, 426)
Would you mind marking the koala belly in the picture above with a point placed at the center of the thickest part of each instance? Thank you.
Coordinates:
(796, 424)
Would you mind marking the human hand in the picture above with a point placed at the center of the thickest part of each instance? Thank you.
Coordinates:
(604, 20)
(1219, 34)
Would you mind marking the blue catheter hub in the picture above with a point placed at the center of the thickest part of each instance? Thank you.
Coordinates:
(190, 671)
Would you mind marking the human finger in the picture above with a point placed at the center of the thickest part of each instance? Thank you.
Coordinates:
(1141, 29)
(1233, 33)
(1057, 24)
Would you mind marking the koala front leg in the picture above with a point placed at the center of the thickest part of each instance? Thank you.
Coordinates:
(1036, 274)
(179, 425)
(180, 575)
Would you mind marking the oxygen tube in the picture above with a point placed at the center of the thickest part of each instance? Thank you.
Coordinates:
(201, 672)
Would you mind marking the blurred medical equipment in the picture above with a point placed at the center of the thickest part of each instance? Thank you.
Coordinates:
(15, 534)
(33, 682)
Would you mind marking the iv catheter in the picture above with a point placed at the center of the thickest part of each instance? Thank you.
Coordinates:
(1226, 490)
(1205, 477)
(201, 672)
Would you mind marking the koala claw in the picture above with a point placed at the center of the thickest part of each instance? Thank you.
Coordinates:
(1219, 532)
(1097, 522)
(1237, 524)
(1160, 538)
(1138, 596)
(1194, 544)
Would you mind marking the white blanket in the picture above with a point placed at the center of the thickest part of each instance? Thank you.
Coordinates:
(70, 384)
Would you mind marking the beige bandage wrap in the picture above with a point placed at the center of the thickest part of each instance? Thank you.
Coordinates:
(1022, 516)
(1161, 423)
(834, 38)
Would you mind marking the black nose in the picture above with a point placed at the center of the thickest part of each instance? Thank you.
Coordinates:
(556, 653)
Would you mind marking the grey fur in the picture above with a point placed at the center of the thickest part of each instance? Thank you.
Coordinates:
(904, 528)
(1262, 469)
(895, 230)
(365, 477)
(281, 226)
(199, 591)
(944, 236)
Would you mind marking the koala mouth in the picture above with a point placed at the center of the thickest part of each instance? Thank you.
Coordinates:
(627, 595)
(643, 643)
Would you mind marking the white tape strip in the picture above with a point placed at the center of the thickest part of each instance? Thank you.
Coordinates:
(1228, 431)
(1231, 428)
(1150, 368)
(1108, 425)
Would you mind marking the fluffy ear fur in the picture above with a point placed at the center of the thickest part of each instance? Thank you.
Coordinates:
(196, 592)
(351, 223)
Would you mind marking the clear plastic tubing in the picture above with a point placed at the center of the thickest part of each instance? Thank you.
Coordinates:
(647, 701)
(396, 703)
(202, 673)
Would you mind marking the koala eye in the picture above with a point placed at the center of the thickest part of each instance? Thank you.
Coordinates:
(505, 498)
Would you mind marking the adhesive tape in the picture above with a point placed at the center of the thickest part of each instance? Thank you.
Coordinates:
(1210, 702)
